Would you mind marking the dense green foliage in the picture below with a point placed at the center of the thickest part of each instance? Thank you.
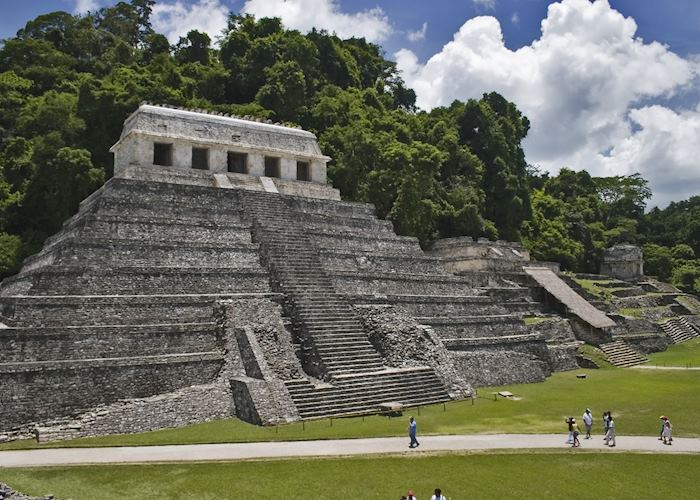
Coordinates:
(68, 82)
(576, 216)
(672, 243)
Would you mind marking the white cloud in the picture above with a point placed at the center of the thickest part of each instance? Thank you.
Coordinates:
(580, 84)
(302, 15)
(177, 19)
(515, 18)
(416, 36)
(664, 148)
(485, 4)
(82, 6)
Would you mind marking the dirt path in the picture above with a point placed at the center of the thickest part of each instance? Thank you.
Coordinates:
(336, 447)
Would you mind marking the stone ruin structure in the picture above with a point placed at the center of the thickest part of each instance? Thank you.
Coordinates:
(625, 262)
(218, 275)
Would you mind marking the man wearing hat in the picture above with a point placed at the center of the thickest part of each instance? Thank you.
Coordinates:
(588, 422)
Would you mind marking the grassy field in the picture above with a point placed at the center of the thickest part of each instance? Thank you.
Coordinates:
(636, 398)
(503, 475)
(686, 354)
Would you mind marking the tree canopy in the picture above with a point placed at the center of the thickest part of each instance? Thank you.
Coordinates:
(67, 82)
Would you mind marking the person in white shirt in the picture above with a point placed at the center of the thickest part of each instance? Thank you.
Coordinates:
(667, 433)
(438, 495)
(610, 436)
(588, 422)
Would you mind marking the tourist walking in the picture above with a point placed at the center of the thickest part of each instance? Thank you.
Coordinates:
(610, 436)
(666, 434)
(588, 422)
(438, 495)
(412, 429)
(606, 425)
(661, 431)
(570, 422)
(575, 433)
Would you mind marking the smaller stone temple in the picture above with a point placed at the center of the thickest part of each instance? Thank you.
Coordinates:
(625, 262)
(158, 136)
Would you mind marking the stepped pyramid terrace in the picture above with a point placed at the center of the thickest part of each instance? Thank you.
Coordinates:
(217, 274)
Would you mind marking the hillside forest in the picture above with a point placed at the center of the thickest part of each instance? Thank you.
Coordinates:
(67, 82)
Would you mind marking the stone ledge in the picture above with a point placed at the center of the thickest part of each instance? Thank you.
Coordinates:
(409, 298)
(43, 366)
(135, 299)
(456, 343)
(45, 331)
(435, 278)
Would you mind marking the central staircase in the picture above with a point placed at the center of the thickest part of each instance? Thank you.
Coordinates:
(334, 345)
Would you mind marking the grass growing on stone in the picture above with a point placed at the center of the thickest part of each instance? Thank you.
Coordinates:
(535, 320)
(636, 398)
(595, 354)
(590, 286)
(686, 354)
(541, 475)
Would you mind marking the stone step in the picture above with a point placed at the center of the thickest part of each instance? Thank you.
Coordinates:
(679, 329)
(332, 324)
(346, 398)
(310, 396)
(342, 353)
(621, 354)
(360, 382)
(335, 331)
(329, 314)
(341, 344)
(351, 394)
(368, 409)
(343, 358)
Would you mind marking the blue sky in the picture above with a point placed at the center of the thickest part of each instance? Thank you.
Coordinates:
(675, 23)
(612, 86)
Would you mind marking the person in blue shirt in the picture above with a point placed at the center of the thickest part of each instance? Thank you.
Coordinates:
(412, 427)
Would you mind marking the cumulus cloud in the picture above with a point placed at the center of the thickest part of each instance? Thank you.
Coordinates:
(665, 148)
(82, 6)
(416, 36)
(176, 19)
(580, 84)
(302, 15)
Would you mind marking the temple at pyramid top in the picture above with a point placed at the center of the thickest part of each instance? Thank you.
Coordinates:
(158, 136)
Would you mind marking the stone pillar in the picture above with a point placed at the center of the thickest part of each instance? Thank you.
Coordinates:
(256, 164)
(288, 168)
(182, 155)
(218, 160)
(318, 172)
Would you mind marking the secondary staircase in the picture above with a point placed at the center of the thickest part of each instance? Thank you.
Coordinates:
(679, 329)
(335, 347)
(364, 392)
(621, 354)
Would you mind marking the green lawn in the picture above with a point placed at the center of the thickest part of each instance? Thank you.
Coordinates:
(686, 354)
(636, 398)
(540, 475)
